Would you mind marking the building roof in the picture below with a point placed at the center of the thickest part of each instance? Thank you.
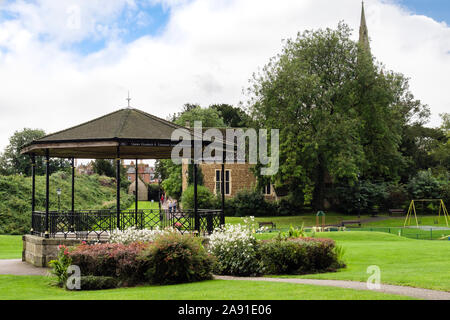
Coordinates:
(121, 124)
(138, 134)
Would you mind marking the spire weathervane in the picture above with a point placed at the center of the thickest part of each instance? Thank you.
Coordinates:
(129, 99)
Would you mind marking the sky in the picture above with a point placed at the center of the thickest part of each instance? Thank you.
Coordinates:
(68, 61)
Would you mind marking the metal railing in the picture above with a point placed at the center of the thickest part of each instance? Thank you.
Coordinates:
(88, 224)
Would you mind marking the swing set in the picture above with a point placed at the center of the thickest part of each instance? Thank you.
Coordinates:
(412, 209)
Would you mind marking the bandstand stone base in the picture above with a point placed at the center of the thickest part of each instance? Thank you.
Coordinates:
(39, 251)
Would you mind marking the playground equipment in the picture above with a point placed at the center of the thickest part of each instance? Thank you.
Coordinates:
(412, 209)
(320, 214)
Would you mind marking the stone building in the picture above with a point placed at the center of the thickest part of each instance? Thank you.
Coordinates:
(142, 190)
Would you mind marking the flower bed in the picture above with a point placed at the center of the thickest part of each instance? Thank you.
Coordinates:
(238, 252)
(168, 257)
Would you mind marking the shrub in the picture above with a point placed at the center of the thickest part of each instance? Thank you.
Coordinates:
(252, 203)
(236, 251)
(365, 196)
(301, 256)
(289, 206)
(175, 258)
(116, 260)
(284, 257)
(60, 266)
(153, 192)
(205, 198)
(98, 283)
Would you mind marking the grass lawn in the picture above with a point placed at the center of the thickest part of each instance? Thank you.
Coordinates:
(37, 287)
(10, 247)
(145, 205)
(407, 262)
(399, 222)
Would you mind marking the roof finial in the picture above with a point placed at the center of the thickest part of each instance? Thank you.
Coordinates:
(129, 99)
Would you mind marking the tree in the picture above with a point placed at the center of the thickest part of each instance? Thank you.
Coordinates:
(12, 162)
(232, 117)
(210, 118)
(441, 151)
(338, 112)
(172, 185)
(104, 167)
(423, 148)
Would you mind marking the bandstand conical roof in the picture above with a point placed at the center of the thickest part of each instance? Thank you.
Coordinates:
(139, 135)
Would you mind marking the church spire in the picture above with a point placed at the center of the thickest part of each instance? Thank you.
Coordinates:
(363, 31)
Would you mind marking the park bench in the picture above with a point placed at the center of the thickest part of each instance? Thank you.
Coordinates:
(345, 222)
(396, 211)
(374, 212)
(263, 224)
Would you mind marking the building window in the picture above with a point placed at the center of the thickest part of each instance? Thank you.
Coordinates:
(129, 178)
(268, 189)
(227, 182)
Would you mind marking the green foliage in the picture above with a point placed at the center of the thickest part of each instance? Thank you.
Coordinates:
(301, 256)
(177, 258)
(292, 233)
(91, 192)
(364, 196)
(205, 198)
(250, 203)
(12, 162)
(425, 186)
(104, 167)
(60, 266)
(338, 112)
(153, 192)
(236, 251)
(116, 260)
(423, 148)
(172, 184)
(191, 175)
(232, 117)
(209, 117)
(98, 283)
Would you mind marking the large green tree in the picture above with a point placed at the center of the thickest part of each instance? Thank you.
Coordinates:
(340, 115)
(12, 162)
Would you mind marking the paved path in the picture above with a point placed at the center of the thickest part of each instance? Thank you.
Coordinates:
(389, 289)
(19, 268)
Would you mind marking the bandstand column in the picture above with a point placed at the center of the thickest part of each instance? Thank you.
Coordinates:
(136, 192)
(33, 188)
(118, 186)
(72, 213)
(196, 216)
(222, 218)
(47, 190)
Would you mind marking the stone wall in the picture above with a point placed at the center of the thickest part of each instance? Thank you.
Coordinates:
(241, 177)
(40, 251)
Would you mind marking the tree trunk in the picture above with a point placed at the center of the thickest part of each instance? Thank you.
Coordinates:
(319, 189)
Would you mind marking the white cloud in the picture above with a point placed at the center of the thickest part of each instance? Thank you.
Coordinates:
(205, 55)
